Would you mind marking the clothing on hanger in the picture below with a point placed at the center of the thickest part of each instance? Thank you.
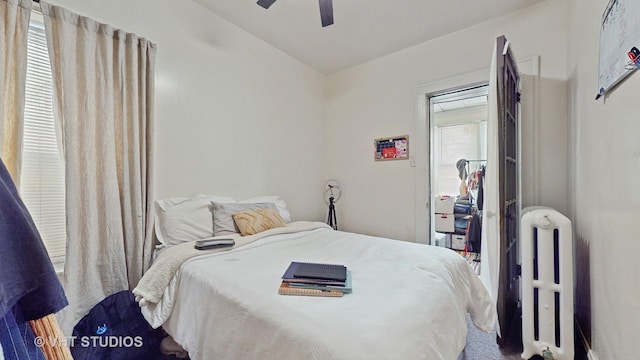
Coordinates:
(480, 201)
(29, 286)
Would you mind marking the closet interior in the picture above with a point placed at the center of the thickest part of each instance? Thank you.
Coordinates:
(458, 157)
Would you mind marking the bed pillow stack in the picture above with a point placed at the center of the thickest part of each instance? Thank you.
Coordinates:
(281, 205)
(182, 219)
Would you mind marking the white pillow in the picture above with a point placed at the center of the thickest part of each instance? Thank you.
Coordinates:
(183, 219)
(281, 205)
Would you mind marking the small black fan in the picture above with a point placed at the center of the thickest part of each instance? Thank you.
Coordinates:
(326, 10)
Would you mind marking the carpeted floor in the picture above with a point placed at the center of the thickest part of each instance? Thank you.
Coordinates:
(483, 346)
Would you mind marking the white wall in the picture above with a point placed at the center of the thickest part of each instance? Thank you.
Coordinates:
(605, 166)
(378, 99)
(234, 116)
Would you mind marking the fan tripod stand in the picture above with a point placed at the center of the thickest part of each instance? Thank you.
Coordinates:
(331, 220)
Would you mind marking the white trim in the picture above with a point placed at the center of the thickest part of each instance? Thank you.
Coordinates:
(422, 143)
(530, 67)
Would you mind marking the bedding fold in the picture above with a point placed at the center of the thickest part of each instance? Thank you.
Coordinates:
(157, 278)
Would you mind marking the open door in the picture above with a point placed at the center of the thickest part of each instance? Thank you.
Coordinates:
(508, 99)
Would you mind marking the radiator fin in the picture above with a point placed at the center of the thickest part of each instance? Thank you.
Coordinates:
(547, 284)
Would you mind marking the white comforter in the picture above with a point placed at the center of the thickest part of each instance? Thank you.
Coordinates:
(409, 301)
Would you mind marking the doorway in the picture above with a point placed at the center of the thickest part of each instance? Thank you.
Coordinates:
(500, 265)
(458, 138)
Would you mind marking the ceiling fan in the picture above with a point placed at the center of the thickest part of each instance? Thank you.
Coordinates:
(326, 10)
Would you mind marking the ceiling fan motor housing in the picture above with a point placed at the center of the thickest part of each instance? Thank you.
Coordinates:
(326, 10)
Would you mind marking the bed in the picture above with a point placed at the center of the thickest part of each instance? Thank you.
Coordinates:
(409, 300)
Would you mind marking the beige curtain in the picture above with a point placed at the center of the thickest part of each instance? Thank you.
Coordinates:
(103, 100)
(14, 17)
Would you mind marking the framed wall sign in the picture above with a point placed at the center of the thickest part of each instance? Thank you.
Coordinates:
(391, 148)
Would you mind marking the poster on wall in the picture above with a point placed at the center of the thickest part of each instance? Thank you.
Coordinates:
(391, 148)
(619, 34)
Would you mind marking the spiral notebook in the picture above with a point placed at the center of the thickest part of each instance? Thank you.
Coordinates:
(286, 289)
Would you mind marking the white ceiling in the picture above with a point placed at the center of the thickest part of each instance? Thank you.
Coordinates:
(460, 104)
(363, 29)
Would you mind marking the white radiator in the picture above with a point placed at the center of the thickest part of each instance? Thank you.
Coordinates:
(547, 284)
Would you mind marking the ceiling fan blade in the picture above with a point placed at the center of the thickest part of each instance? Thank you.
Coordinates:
(266, 3)
(326, 12)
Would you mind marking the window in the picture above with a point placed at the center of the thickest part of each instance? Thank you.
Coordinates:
(42, 178)
(459, 129)
(455, 143)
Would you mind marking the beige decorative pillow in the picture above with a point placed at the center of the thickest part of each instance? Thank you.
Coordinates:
(254, 221)
(223, 223)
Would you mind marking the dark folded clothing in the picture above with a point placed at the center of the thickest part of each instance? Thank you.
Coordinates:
(461, 209)
(27, 277)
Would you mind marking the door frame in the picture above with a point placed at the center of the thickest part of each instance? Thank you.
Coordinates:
(421, 154)
(424, 139)
(432, 152)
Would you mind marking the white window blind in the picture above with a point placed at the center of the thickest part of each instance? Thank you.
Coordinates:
(42, 177)
(455, 142)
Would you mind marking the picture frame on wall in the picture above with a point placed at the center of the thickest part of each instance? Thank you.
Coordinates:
(391, 148)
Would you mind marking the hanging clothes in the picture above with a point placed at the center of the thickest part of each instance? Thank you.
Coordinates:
(481, 189)
(27, 277)
(461, 165)
(17, 338)
(29, 286)
(474, 233)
